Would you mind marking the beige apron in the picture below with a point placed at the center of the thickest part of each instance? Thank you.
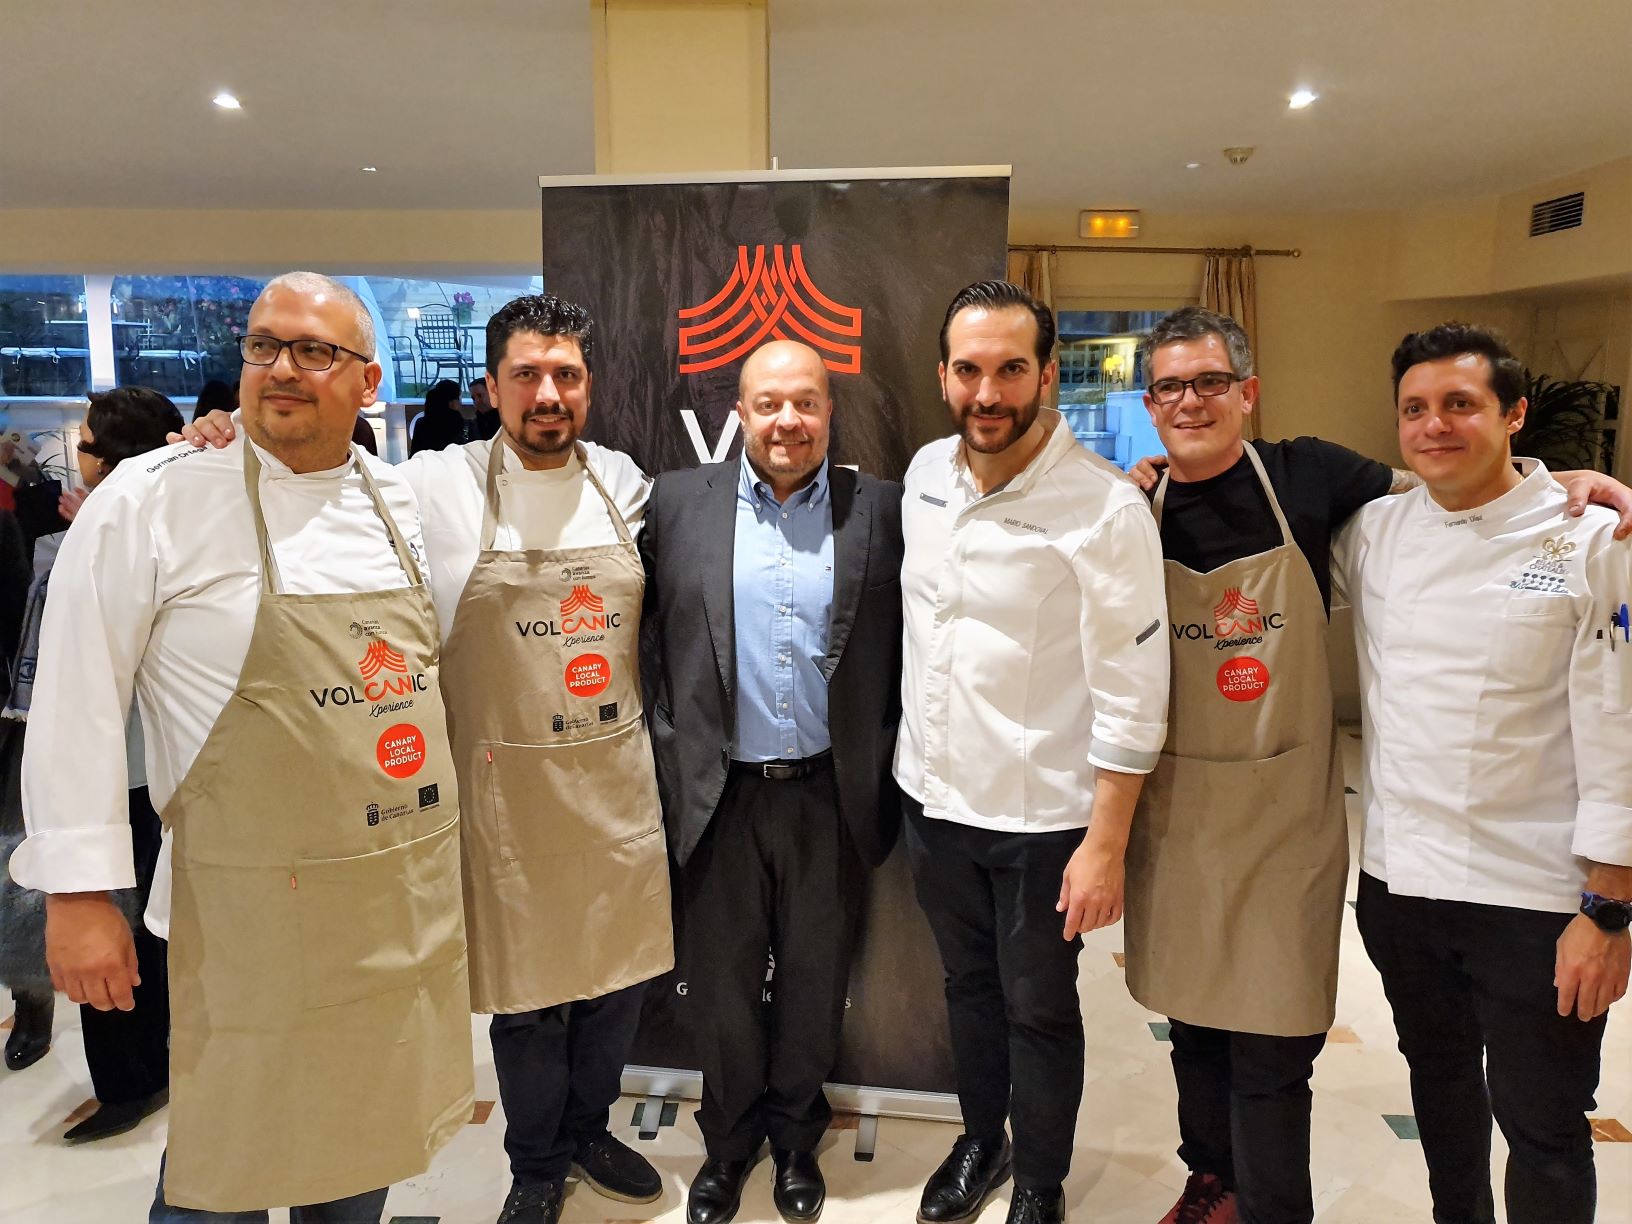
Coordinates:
(320, 1039)
(1239, 850)
(565, 870)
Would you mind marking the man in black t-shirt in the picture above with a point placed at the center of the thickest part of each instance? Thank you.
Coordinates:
(1239, 946)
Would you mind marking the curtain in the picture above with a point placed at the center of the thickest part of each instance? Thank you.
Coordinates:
(1229, 286)
(1034, 272)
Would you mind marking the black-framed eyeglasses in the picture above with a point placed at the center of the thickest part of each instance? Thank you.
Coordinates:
(1169, 391)
(312, 355)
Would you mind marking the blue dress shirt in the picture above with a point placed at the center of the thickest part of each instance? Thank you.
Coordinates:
(782, 601)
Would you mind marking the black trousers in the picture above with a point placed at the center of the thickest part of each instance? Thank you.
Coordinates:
(774, 872)
(128, 1053)
(1244, 1116)
(1011, 982)
(559, 1072)
(1471, 987)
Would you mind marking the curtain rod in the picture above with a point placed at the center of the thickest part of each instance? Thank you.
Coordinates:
(1078, 247)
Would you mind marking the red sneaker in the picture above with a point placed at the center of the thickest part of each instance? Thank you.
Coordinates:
(1204, 1201)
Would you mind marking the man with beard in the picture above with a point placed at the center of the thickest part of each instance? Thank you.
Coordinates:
(538, 587)
(320, 1032)
(1034, 701)
(774, 601)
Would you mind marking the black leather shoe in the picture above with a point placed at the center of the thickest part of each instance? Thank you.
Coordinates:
(111, 1120)
(30, 1030)
(959, 1188)
(800, 1190)
(717, 1192)
(1028, 1206)
(612, 1168)
(534, 1203)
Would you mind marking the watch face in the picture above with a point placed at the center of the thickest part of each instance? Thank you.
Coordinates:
(1609, 914)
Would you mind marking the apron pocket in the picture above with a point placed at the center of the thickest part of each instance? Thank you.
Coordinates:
(558, 799)
(1246, 817)
(373, 923)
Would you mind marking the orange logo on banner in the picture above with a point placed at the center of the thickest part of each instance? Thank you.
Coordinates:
(768, 298)
(588, 675)
(401, 750)
(381, 657)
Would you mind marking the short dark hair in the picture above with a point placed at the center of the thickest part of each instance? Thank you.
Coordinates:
(545, 315)
(1465, 340)
(128, 421)
(1001, 295)
(1192, 323)
(443, 394)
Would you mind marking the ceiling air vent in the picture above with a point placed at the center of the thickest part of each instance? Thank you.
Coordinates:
(1564, 213)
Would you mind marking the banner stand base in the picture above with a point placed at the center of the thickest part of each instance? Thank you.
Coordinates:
(657, 1083)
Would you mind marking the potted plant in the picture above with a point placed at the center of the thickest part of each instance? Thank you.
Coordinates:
(1564, 426)
(464, 305)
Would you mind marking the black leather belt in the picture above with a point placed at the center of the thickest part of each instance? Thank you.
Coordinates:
(785, 771)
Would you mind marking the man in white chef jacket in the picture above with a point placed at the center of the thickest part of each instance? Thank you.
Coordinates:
(1496, 675)
(1034, 701)
(157, 591)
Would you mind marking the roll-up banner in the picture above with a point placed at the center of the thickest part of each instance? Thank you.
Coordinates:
(685, 276)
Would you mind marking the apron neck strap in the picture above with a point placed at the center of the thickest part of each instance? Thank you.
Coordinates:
(490, 504)
(270, 580)
(1263, 479)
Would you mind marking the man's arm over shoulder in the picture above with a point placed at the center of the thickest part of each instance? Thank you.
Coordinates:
(1346, 478)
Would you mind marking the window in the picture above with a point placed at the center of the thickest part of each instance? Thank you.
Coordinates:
(1102, 381)
(44, 336)
(175, 333)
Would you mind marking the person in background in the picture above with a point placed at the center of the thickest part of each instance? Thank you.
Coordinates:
(487, 421)
(128, 1052)
(440, 424)
(214, 395)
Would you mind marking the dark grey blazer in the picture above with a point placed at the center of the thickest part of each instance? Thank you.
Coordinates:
(689, 656)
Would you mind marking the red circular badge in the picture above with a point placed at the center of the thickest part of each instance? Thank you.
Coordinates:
(1243, 679)
(588, 675)
(401, 750)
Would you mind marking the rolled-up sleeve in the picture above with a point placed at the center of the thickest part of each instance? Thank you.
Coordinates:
(1601, 711)
(99, 610)
(1124, 639)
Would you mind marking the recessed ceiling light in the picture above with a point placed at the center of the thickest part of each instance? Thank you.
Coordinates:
(371, 169)
(1192, 165)
(227, 102)
(1302, 99)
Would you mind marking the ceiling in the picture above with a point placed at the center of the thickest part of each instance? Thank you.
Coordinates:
(104, 103)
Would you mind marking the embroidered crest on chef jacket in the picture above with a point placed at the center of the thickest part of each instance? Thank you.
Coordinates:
(1546, 573)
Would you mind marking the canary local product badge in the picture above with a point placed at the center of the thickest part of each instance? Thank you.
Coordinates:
(401, 750)
(588, 675)
(1243, 679)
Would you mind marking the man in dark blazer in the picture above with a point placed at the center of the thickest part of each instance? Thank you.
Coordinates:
(773, 643)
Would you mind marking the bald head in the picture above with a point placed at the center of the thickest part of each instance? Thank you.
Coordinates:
(783, 356)
(318, 288)
(785, 410)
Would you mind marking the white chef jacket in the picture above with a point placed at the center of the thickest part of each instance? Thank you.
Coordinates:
(156, 590)
(1497, 714)
(551, 509)
(1034, 650)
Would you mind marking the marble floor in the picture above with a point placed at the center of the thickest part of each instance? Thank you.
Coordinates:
(1367, 1166)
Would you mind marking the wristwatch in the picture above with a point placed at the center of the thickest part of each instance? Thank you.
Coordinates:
(1608, 913)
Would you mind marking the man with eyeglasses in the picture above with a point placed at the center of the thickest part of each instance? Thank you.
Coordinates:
(1238, 856)
(308, 883)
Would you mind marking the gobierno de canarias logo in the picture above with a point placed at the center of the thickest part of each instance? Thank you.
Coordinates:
(769, 295)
